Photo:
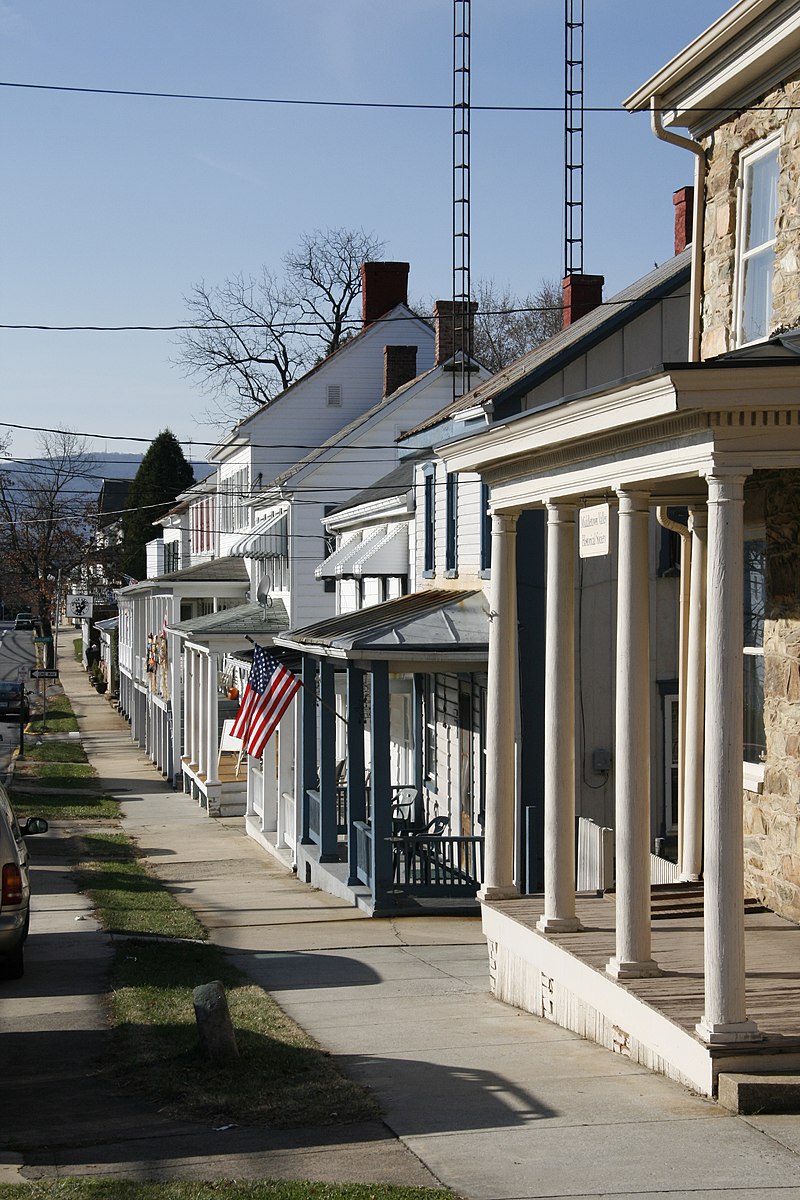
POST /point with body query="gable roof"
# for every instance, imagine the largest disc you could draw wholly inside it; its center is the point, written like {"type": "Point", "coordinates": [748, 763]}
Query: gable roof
{"type": "Point", "coordinates": [544, 360]}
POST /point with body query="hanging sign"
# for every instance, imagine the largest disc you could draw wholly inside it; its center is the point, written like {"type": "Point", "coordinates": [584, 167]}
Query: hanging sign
{"type": "Point", "coordinates": [594, 531]}
{"type": "Point", "coordinates": [79, 606]}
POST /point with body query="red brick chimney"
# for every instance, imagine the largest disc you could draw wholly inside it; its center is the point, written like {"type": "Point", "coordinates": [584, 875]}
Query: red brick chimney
{"type": "Point", "coordinates": [399, 365]}
{"type": "Point", "coordinates": [449, 340]}
{"type": "Point", "coordinates": [383, 286]}
{"type": "Point", "coordinates": [582, 293]}
{"type": "Point", "coordinates": [683, 200]}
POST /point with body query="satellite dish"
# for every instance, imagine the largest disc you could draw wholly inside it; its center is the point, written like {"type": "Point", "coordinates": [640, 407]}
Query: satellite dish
{"type": "Point", "coordinates": [263, 592]}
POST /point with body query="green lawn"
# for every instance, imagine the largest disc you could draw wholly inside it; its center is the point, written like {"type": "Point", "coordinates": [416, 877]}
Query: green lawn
{"type": "Point", "coordinates": [56, 751]}
{"type": "Point", "coordinates": [60, 717]}
{"type": "Point", "coordinates": [118, 1189]}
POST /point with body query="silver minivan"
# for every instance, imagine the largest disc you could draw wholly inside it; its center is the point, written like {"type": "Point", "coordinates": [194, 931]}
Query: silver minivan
{"type": "Point", "coordinates": [15, 888]}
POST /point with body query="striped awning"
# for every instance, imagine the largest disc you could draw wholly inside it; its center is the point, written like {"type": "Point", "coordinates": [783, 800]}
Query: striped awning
{"type": "Point", "coordinates": [269, 538]}
{"type": "Point", "coordinates": [339, 563]}
{"type": "Point", "coordinates": [387, 555]}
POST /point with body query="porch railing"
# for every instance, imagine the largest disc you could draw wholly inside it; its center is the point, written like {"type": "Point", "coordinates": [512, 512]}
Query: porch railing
{"type": "Point", "coordinates": [314, 815]}
{"type": "Point", "coordinates": [431, 865]}
{"type": "Point", "coordinates": [363, 852]}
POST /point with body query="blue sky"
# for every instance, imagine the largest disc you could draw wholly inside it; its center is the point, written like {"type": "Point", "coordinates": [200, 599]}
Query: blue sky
{"type": "Point", "coordinates": [112, 206]}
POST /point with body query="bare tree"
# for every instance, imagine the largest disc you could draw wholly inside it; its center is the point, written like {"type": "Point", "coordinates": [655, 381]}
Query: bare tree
{"type": "Point", "coordinates": [252, 336]}
{"type": "Point", "coordinates": [45, 518]}
{"type": "Point", "coordinates": [508, 326]}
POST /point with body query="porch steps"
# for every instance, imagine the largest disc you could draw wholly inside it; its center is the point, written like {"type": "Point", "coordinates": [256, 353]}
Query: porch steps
{"type": "Point", "coordinates": [671, 900]}
{"type": "Point", "coordinates": [749, 1094]}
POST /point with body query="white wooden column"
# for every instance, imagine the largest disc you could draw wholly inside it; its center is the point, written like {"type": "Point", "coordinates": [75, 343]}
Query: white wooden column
{"type": "Point", "coordinates": [212, 721]}
{"type": "Point", "coordinates": [725, 1015]}
{"type": "Point", "coordinates": [559, 724]}
{"type": "Point", "coordinates": [202, 715]}
{"type": "Point", "coordinates": [190, 714]}
{"type": "Point", "coordinates": [501, 703]}
{"type": "Point", "coordinates": [633, 959]}
{"type": "Point", "coordinates": [691, 863]}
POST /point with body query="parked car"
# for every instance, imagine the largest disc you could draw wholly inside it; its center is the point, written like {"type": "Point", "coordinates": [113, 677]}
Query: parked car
{"type": "Point", "coordinates": [24, 620]}
{"type": "Point", "coordinates": [13, 700]}
{"type": "Point", "coordinates": [15, 890]}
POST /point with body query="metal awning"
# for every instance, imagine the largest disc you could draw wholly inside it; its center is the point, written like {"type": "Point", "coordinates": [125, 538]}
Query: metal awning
{"type": "Point", "coordinates": [384, 556]}
{"type": "Point", "coordinates": [431, 626]}
{"type": "Point", "coordinates": [269, 538]}
{"type": "Point", "coordinates": [338, 564]}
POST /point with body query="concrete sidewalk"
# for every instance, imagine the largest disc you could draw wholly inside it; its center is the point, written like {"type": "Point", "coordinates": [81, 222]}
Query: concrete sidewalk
{"type": "Point", "coordinates": [491, 1101]}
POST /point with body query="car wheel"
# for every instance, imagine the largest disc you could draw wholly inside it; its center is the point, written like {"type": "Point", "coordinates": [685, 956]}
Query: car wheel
{"type": "Point", "coordinates": [13, 965]}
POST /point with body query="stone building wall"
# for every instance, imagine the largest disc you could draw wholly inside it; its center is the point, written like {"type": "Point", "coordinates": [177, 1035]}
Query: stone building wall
{"type": "Point", "coordinates": [779, 109]}
{"type": "Point", "coordinates": [772, 819]}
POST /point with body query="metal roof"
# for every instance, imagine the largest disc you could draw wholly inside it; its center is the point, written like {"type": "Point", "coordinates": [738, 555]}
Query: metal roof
{"type": "Point", "coordinates": [435, 621]}
{"type": "Point", "coordinates": [214, 570]}
{"type": "Point", "coordinates": [239, 621]}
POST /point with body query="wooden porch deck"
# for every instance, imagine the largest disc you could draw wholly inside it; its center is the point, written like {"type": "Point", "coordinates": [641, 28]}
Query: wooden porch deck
{"type": "Point", "coordinates": [772, 952]}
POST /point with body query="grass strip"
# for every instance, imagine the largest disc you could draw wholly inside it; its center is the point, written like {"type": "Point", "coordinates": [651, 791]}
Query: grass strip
{"type": "Point", "coordinates": [56, 751]}
{"type": "Point", "coordinates": [60, 717]}
{"type": "Point", "coordinates": [126, 897]}
{"type": "Point", "coordinates": [120, 1189]}
{"type": "Point", "coordinates": [282, 1078]}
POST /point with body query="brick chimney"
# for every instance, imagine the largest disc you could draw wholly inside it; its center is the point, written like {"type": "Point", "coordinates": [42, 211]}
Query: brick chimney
{"type": "Point", "coordinates": [683, 200]}
{"type": "Point", "coordinates": [383, 286]}
{"type": "Point", "coordinates": [450, 341]}
{"type": "Point", "coordinates": [399, 365]}
{"type": "Point", "coordinates": [582, 293]}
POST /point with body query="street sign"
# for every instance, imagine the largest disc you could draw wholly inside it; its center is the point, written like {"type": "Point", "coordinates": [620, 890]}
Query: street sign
{"type": "Point", "coordinates": [44, 673]}
{"type": "Point", "coordinates": [42, 641]}
{"type": "Point", "coordinates": [79, 606]}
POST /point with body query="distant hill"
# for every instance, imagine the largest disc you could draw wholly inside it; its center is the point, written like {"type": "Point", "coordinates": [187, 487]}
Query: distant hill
{"type": "Point", "coordinates": [101, 465]}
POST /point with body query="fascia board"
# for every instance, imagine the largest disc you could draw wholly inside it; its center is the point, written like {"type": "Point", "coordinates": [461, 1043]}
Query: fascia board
{"type": "Point", "coordinates": [375, 510]}
{"type": "Point", "coordinates": [714, 73]}
{"type": "Point", "coordinates": [740, 386]}
{"type": "Point", "coordinates": [584, 417]}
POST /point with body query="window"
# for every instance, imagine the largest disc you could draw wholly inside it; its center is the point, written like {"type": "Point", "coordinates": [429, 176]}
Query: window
{"type": "Point", "coordinates": [429, 717]}
{"type": "Point", "coordinates": [755, 742]}
{"type": "Point", "coordinates": [429, 532]}
{"type": "Point", "coordinates": [451, 523]}
{"type": "Point", "coordinates": [328, 547]}
{"type": "Point", "coordinates": [486, 530]}
{"type": "Point", "coordinates": [334, 395]}
{"type": "Point", "coordinates": [758, 210]}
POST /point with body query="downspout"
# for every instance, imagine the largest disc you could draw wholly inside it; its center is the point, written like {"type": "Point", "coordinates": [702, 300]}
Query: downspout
{"type": "Point", "coordinates": [683, 657]}
{"type": "Point", "coordinates": [698, 217]}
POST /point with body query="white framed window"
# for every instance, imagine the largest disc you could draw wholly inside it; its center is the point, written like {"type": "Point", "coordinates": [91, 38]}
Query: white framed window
{"type": "Point", "coordinates": [754, 567]}
{"type": "Point", "coordinates": [334, 395]}
{"type": "Point", "coordinates": [755, 241]}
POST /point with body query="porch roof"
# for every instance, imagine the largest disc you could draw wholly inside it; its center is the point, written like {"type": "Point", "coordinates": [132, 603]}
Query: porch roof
{"type": "Point", "coordinates": [433, 626]}
{"type": "Point", "coordinates": [237, 622]}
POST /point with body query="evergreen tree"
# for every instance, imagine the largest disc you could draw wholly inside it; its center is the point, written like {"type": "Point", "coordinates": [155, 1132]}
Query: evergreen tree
{"type": "Point", "coordinates": [162, 475]}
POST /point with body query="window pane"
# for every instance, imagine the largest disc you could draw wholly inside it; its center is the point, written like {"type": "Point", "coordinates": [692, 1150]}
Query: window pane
{"type": "Point", "coordinates": [754, 566]}
{"type": "Point", "coordinates": [757, 295]}
{"type": "Point", "coordinates": [755, 741]}
{"type": "Point", "coordinates": [762, 200]}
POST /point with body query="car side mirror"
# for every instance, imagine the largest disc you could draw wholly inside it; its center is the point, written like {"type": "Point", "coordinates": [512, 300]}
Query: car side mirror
{"type": "Point", "coordinates": [34, 825]}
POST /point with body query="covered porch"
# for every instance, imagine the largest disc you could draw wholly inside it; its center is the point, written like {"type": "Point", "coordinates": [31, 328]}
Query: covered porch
{"type": "Point", "coordinates": [678, 995]}
{"type": "Point", "coordinates": [370, 829]}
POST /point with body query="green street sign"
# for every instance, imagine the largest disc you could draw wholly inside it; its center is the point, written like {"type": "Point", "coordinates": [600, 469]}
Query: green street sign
{"type": "Point", "coordinates": [42, 641]}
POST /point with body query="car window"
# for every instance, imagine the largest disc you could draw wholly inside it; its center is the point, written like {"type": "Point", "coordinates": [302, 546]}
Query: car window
{"type": "Point", "coordinates": [7, 814]}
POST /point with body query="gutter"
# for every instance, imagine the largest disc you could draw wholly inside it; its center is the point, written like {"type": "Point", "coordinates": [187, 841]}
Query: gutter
{"type": "Point", "coordinates": [698, 218]}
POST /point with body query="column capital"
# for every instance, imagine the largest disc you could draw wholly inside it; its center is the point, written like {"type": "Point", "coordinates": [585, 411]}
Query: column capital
{"type": "Point", "coordinates": [633, 499]}
{"type": "Point", "coordinates": [505, 522]}
{"type": "Point", "coordinates": [561, 512]}
{"type": "Point", "coordinates": [698, 517]}
{"type": "Point", "coordinates": [725, 485]}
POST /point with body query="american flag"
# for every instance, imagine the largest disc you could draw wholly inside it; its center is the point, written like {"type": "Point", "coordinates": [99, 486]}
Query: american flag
{"type": "Point", "coordinates": [269, 692]}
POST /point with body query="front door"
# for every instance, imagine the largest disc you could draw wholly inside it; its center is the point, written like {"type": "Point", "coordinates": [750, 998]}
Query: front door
{"type": "Point", "coordinates": [465, 774]}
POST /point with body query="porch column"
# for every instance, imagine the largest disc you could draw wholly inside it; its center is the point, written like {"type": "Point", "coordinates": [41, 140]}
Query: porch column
{"type": "Point", "coordinates": [632, 751]}
{"type": "Point", "coordinates": [559, 724]}
{"type": "Point", "coordinates": [725, 1016]}
{"type": "Point", "coordinates": [202, 715]}
{"type": "Point", "coordinates": [212, 721]}
{"type": "Point", "coordinates": [356, 785]}
{"type": "Point", "coordinates": [380, 782]}
{"type": "Point", "coordinates": [692, 846]}
{"type": "Point", "coordinates": [191, 711]}
{"type": "Point", "coordinates": [327, 764]}
{"type": "Point", "coordinates": [501, 715]}
{"type": "Point", "coordinates": [308, 742]}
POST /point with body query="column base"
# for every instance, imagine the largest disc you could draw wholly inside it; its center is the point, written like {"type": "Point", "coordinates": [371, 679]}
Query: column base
{"type": "Point", "coordinates": [487, 894]}
{"type": "Point", "coordinates": [688, 877]}
{"type": "Point", "coordinates": [547, 924]}
{"type": "Point", "coordinates": [721, 1033]}
{"type": "Point", "coordinates": [647, 968]}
